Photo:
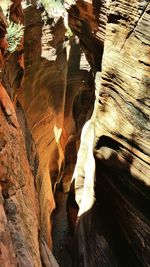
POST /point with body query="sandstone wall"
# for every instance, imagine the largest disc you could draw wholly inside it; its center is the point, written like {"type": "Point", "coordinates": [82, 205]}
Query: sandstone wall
{"type": "Point", "coordinates": [51, 85]}
{"type": "Point", "coordinates": [50, 80]}
{"type": "Point", "coordinates": [121, 126]}
{"type": "Point", "coordinates": [20, 241]}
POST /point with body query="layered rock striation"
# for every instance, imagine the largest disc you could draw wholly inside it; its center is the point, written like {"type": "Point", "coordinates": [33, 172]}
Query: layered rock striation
{"type": "Point", "coordinates": [119, 217]}
{"type": "Point", "coordinates": [49, 84]}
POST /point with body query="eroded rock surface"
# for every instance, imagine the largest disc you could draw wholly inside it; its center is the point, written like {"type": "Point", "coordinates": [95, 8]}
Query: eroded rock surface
{"type": "Point", "coordinates": [20, 213]}
{"type": "Point", "coordinates": [121, 127]}
{"type": "Point", "coordinates": [50, 80]}
{"type": "Point", "coordinates": [51, 85]}
{"type": "Point", "coordinates": [18, 197]}
{"type": "Point", "coordinates": [88, 20]}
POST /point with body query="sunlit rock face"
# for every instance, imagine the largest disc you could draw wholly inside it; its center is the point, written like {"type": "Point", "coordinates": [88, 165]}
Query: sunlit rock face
{"type": "Point", "coordinates": [84, 173]}
{"type": "Point", "coordinates": [19, 208]}
{"type": "Point", "coordinates": [53, 102]}
{"type": "Point", "coordinates": [42, 97]}
{"type": "Point", "coordinates": [51, 84]}
{"type": "Point", "coordinates": [118, 222]}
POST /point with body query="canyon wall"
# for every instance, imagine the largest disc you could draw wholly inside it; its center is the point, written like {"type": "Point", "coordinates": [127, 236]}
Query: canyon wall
{"type": "Point", "coordinates": [119, 217]}
{"type": "Point", "coordinates": [19, 209]}
{"type": "Point", "coordinates": [49, 84]}
{"type": "Point", "coordinates": [21, 243]}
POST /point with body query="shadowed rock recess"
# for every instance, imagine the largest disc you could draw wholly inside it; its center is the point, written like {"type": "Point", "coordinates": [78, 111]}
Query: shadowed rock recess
{"type": "Point", "coordinates": [74, 133]}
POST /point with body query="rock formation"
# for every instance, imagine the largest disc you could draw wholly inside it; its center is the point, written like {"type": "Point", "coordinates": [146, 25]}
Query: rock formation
{"type": "Point", "coordinates": [121, 126]}
{"type": "Point", "coordinates": [19, 205]}
{"type": "Point", "coordinates": [48, 87]}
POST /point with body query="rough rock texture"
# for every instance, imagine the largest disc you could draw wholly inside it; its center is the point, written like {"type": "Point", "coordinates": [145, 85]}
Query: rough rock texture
{"type": "Point", "coordinates": [50, 82]}
{"type": "Point", "coordinates": [88, 20]}
{"type": "Point", "coordinates": [52, 88]}
{"type": "Point", "coordinates": [19, 206]}
{"type": "Point", "coordinates": [120, 215]}
{"type": "Point", "coordinates": [53, 102]}
{"type": "Point", "coordinates": [15, 11]}
{"type": "Point", "coordinates": [20, 241]}
{"type": "Point", "coordinates": [3, 42]}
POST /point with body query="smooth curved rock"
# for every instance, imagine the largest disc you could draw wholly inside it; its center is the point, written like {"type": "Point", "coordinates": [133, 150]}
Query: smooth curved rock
{"type": "Point", "coordinates": [121, 126]}
{"type": "Point", "coordinates": [51, 85]}
{"type": "Point", "coordinates": [84, 173]}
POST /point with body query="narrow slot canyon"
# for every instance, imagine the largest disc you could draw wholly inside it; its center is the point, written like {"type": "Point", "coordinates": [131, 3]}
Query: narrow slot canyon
{"type": "Point", "coordinates": [74, 133]}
